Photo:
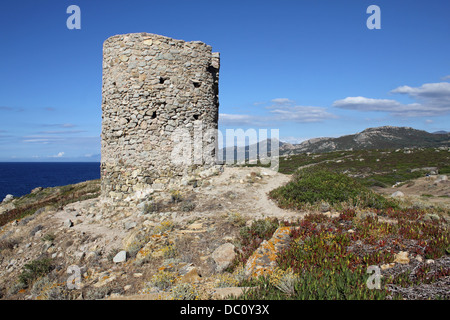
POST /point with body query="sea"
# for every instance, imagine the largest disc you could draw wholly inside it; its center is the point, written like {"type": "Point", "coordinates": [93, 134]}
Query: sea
{"type": "Point", "coordinates": [19, 178]}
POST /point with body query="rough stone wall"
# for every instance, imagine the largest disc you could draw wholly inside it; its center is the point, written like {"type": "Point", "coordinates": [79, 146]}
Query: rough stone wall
{"type": "Point", "coordinates": [151, 86]}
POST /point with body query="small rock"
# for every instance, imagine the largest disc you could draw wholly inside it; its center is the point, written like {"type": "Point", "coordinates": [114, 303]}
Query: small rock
{"type": "Point", "coordinates": [402, 257]}
{"type": "Point", "coordinates": [191, 276]}
{"type": "Point", "coordinates": [8, 198]}
{"type": "Point", "coordinates": [127, 287]}
{"type": "Point", "coordinates": [387, 266]}
{"type": "Point", "coordinates": [196, 226]}
{"type": "Point", "coordinates": [440, 179]}
{"type": "Point", "coordinates": [222, 293]}
{"type": "Point", "coordinates": [92, 255]}
{"type": "Point", "coordinates": [430, 261]}
{"type": "Point", "coordinates": [130, 225]}
{"type": "Point", "coordinates": [324, 207]}
{"type": "Point", "coordinates": [361, 215]}
{"type": "Point", "coordinates": [397, 194]}
{"type": "Point", "coordinates": [431, 217]}
{"type": "Point", "coordinates": [223, 256]}
{"type": "Point", "coordinates": [47, 245]}
{"type": "Point", "coordinates": [120, 257]}
{"type": "Point", "coordinates": [36, 190]}
{"type": "Point", "coordinates": [68, 223]}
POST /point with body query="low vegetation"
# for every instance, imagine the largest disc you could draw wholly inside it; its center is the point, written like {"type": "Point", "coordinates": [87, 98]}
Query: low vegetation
{"type": "Point", "coordinates": [34, 270]}
{"type": "Point", "coordinates": [381, 168]}
{"type": "Point", "coordinates": [50, 198]}
{"type": "Point", "coordinates": [314, 185]}
{"type": "Point", "coordinates": [328, 258]}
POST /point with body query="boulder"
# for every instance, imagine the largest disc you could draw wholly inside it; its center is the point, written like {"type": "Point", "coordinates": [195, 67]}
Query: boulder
{"type": "Point", "coordinates": [8, 198]}
{"type": "Point", "coordinates": [120, 257]}
{"type": "Point", "coordinates": [191, 276]}
{"type": "Point", "coordinates": [130, 225]}
{"type": "Point", "coordinates": [440, 179]}
{"type": "Point", "coordinates": [223, 256]}
{"type": "Point", "coordinates": [263, 260]}
{"type": "Point", "coordinates": [68, 223]}
{"type": "Point", "coordinates": [397, 194]}
{"type": "Point", "coordinates": [431, 217]}
{"type": "Point", "coordinates": [402, 257]}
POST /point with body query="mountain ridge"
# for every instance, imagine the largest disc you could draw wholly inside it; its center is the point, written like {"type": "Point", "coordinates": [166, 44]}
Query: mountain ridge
{"type": "Point", "coordinates": [384, 137]}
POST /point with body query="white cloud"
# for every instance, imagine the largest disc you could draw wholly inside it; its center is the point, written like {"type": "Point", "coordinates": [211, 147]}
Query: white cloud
{"type": "Point", "coordinates": [59, 155]}
{"type": "Point", "coordinates": [282, 101]}
{"type": "Point", "coordinates": [282, 110]}
{"type": "Point", "coordinates": [445, 78]}
{"type": "Point", "coordinates": [301, 114]}
{"type": "Point", "coordinates": [440, 90]}
{"type": "Point", "coordinates": [44, 141]}
{"type": "Point", "coordinates": [428, 121]}
{"type": "Point", "coordinates": [366, 104]}
{"type": "Point", "coordinates": [258, 103]}
{"type": "Point", "coordinates": [61, 132]}
{"type": "Point", "coordinates": [60, 125]}
{"type": "Point", "coordinates": [239, 119]}
{"type": "Point", "coordinates": [432, 99]}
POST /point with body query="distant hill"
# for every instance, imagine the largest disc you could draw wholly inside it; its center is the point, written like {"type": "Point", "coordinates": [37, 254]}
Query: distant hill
{"type": "Point", "coordinates": [441, 132]}
{"type": "Point", "coordinates": [263, 150]}
{"type": "Point", "coordinates": [386, 137]}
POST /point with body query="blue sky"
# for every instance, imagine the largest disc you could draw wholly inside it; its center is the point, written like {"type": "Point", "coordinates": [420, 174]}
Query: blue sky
{"type": "Point", "coordinates": [307, 68]}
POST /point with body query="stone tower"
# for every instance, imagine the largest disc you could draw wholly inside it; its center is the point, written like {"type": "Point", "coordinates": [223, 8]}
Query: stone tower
{"type": "Point", "coordinates": [153, 85]}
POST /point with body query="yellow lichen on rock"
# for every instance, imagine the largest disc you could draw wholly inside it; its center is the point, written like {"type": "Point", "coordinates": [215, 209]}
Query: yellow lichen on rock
{"type": "Point", "coordinates": [263, 260]}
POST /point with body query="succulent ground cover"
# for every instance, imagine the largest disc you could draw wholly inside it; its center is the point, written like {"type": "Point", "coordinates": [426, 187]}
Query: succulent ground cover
{"type": "Point", "coordinates": [332, 256]}
{"type": "Point", "coordinates": [328, 258]}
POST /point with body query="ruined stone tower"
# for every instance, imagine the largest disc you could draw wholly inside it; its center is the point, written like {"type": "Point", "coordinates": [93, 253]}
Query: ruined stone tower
{"type": "Point", "coordinates": [153, 85]}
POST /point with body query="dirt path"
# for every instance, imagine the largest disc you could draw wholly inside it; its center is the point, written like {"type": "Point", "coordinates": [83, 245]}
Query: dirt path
{"type": "Point", "coordinates": [250, 188]}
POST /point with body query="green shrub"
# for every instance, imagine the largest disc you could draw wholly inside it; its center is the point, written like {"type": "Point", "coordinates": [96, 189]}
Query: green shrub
{"type": "Point", "coordinates": [236, 219]}
{"type": "Point", "coordinates": [153, 207]}
{"type": "Point", "coordinates": [187, 205]}
{"type": "Point", "coordinates": [163, 279]}
{"type": "Point", "coordinates": [176, 196]}
{"type": "Point", "coordinates": [313, 185]}
{"type": "Point", "coordinates": [8, 244]}
{"type": "Point", "coordinates": [184, 291]}
{"type": "Point", "coordinates": [49, 237]}
{"type": "Point", "coordinates": [34, 270]}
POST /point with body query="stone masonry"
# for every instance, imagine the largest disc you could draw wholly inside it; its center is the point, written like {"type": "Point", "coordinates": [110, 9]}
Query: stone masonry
{"type": "Point", "coordinates": [153, 85]}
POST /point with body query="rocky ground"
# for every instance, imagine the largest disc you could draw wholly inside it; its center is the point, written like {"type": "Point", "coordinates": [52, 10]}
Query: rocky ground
{"type": "Point", "coordinates": [168, 244]}
{"type": "Point", "coordinates": [179, 232]}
